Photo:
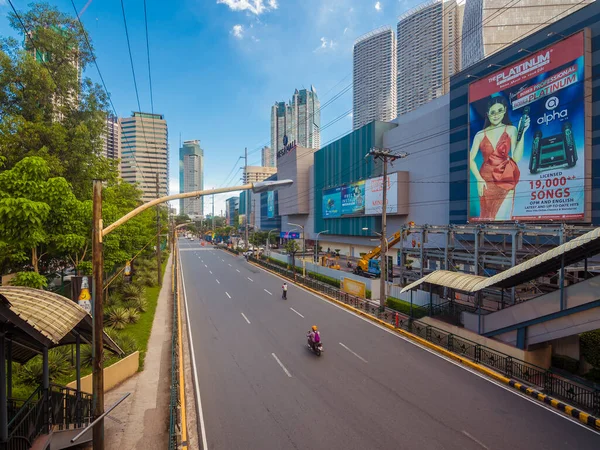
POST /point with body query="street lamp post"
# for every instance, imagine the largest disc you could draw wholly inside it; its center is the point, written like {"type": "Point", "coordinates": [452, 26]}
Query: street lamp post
{"type": "Point", "coordinates": [317, 250]}
{"type": "Point", "coordinates": [98, 232]}
{"type": "Point", "coordinates": [303, 246]}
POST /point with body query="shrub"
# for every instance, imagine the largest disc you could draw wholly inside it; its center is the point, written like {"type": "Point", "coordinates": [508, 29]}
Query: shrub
{"type": "Point", "coordinates": [133, 315]}
{"type": "Point", "coordinates": [32, 372]}
{"type": "Point", "coordinates": [133, 292]}
{"type": "Point", "coordinates": [125, 341]}
{"type": "Point", "coordinates": [117, 317]}
{"type": "Point", "coordinates": [140, 304]}
{"type": "Point", "coordinates": [325, 279]}
{"type": "Point", "coordinates": [404, 307]}
{"type": "Point", "coordinates": [590, 347]}
{"type": "Point", "coordinates": [29, 279]}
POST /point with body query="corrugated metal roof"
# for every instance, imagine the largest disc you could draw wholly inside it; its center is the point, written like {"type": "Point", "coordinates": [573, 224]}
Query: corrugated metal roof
{"type": "Point", "coordinates": [572, 251]}
{"type": "Point", "coordinates": [454, 280]}
{"type": "Point", "coordinates": [51, 314]}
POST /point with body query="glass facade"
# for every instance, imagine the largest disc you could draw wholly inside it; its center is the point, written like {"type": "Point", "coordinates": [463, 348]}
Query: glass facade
{"type": "Point", "coordinates": [191, 177]}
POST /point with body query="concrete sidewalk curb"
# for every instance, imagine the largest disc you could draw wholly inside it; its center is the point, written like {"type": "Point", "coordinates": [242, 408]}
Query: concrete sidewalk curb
{"type": "Point", "coordinates": [583, 417]}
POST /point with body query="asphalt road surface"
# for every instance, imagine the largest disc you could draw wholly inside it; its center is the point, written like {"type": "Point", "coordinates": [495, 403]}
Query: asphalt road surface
{"type": "Point", "coordinates": [262, 388]}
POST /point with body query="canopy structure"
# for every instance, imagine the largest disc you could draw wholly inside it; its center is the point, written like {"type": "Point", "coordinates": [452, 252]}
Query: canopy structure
{"type": "Point", "coordinates": [35, 319]}
{"type": "Point", "coordinates": [573, 251]}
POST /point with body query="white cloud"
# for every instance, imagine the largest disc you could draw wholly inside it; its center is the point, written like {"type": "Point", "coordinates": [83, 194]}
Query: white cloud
{"type": "Point", "coordinates": [345, 30]}
{"type": "Point", "coordinates": [238, 31]}
{"type": "Point", "coordinates": [323, 42]}
{"type": "Point", "coordinates": [326, 44]}
{"type": "Point", "coordinates": [253, 6]}
{"type": "Point", "coordinates": [378, 6]}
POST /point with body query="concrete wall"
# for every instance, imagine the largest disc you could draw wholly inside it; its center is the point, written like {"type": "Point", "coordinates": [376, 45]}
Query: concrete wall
{"type": "Point", "coordinates": [423, 134]}
{"type": "Point", "coordinates": [295, 165]}
{"type": "Point", "coordinates": [113, 375]}
{"type": "Point", "coordinates": [541, 356]}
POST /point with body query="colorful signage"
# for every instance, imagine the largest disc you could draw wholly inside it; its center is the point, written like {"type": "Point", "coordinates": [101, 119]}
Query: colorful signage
{"type": "Point", "coordinates": [527, 138]}
{"type": "Point", "coordinates": [332, 202]}
{"type": "Point", "coordinates": [374, 195]}
{"type": "Point", "coordinates": [270, 204]}
{"type": "Point", "coordinates": [353, 199]}
{"type": "Point", "coordinates": [289, 235]}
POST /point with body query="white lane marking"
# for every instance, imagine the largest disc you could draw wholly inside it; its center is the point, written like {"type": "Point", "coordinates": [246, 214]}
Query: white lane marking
{"type": "Point", "coordinates": [195, 374]}
{"type": "Point", "coordinates": [475, 440]}
{"type": "Point", "coordinates": [238, 270]}
{"type": "Point", "coordinates": [297, 312]}
{"type": "Point", "coordinates": [205, 266]}
{"type": "Point", "coordinates": [457, 364]}
{"type": "Point", "coordinates": [355, 354]}
{"type": "Point", "coordinates": [244, 316]}
{"type": "Point", "coordinates": [227, 294]}
{"type": "Point", "coordinates": [218, 282]}
{"type": "Point", "coordinates": [268, 292]}
{"type": "Point", "coordinates": [250, 279]}
{"type": "Point", "coordinates": [210, 271]}
{"type": "Point", "coordinates": [282, 366]}
{"type": "Point", "coordinates": [229, 265]}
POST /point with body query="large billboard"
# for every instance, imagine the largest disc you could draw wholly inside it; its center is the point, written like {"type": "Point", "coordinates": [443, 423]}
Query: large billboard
{"type": "Point", "coordinates": [270, 204]}
{"type": "Point", "coordinates": [361, 198]}
{"type": "Point", "coordinates": [374, 195]}
{"type": "Point", "coordinates": [527, 137]}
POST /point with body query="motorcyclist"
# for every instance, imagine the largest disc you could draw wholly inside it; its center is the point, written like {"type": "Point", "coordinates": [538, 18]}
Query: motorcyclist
{"type": "Point", "coordinates": [313, 336]}
{"type": "Point", "coordinates": [284, 288]}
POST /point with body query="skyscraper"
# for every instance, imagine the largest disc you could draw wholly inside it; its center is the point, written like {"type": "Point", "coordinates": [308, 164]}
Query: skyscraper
{"type": "Point", "coordinates": [428, 52]}
{"type": "Point", "coordinates": [490, 25]}
{"type": "Point", "coordinates": [255, 174]}
{"type": "Point", "coordinates": [191, 177]}
{"type": "Point", "coordinates": [268, 157]}
{"type": "Point", "coordinates": [374, 77]}
{"type": "Point", "coordinates": [299, 120]}
{"type": "Point", "coordinates": [112, 138]}
{"type": "Point", "coordinates": [145, 152]}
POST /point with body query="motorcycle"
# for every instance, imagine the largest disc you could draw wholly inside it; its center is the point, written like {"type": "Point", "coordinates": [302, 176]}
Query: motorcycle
{"type": "Point", "coordinates": [316, 347]}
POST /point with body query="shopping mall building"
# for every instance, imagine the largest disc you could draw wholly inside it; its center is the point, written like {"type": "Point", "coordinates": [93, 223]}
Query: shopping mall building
{"type": "Point", "coordinates": [506, 164]}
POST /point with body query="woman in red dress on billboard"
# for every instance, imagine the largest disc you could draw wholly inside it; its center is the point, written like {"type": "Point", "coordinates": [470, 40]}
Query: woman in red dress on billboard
{"type": "Point", "coordinates": [499, 174]}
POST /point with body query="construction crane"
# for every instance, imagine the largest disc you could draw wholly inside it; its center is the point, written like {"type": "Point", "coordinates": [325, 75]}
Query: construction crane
{"type": "Point", "coordinates": [368, 265]}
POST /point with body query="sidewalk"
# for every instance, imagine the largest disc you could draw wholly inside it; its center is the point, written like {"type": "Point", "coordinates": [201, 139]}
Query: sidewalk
{"type": "Point", "coordinates": [141, 422]}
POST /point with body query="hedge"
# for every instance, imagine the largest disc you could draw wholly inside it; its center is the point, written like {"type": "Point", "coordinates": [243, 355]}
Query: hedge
{"type": "Point", "coordinates": [590, 347]}
{"type": "Point", "coordinates": [566, 363]}
{"type": "Point", "coordinates": [404, 307]}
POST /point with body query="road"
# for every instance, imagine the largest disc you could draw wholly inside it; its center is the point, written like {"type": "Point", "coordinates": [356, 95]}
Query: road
{"type": "Point", "coordinates": [261, 388]}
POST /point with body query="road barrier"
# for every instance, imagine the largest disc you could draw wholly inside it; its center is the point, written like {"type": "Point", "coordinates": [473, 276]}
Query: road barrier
{"type": "Point", "coordinates": [177, 415]}
{"type": "Point", "coordinates": [579, 394]}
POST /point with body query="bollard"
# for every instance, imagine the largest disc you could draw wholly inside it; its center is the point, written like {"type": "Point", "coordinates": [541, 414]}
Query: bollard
{"type": "Point", "coordinates": [397, 319]}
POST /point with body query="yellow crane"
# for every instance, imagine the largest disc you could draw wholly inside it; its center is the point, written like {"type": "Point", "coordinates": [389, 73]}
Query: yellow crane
{"type": "Point", "coordinates": [368, 266]}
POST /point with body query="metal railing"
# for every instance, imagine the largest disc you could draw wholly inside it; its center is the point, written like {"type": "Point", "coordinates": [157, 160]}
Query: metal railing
{"type": "Point", "coordinates": [576, 393]}
{"type": "Point", "coordinates": [174, 406]}
{"type": "Point", "coordinates": [59, 408]}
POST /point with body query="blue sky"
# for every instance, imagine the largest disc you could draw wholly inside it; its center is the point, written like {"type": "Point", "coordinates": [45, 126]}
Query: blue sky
{"type": "Point", "coordinates": [219, 65]}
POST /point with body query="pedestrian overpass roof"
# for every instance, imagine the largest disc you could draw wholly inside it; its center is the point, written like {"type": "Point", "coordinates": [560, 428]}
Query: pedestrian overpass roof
{"type": "Point", "coordinates": [575, 250]}
{"type": "Point", "coordinates": [35, 319]}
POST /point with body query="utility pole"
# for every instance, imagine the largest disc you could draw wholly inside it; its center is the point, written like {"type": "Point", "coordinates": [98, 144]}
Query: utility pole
{"type": "Point", "coordinates": [247, 195]}
{"type": "Point", "coordinates": [98, 326]}
{"type": "Point", "coordinates": [158, 262]}
{"type": "Point", "coordinates": [385, 155]}
{"type": "Point", "coordinates": [254, 221]}
{"type": "Point", "coordinates": [213, 212]}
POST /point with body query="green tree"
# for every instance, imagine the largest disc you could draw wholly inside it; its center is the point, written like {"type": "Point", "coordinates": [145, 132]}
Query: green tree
{"type": "Point", "coordinates": [38, 214]}
{"type": "Point", "coordinates": [46, 108]}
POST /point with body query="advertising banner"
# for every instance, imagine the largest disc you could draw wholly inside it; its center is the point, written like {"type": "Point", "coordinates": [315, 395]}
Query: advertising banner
{"type": "Point", "coordinates": [332, 202]}
{"type": "Point", "coordinates": [354, 287]}
{"type": "Point", "coordinates": [353, 199]}
{"type": "Point", "coordinates": [374, 195]}
{"type": "Point", "coordinates": [289, 235]}
{"type": "Point", "coordinates": [270, 204]}
{"type": "Point", "coordinates": [527, 138]}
